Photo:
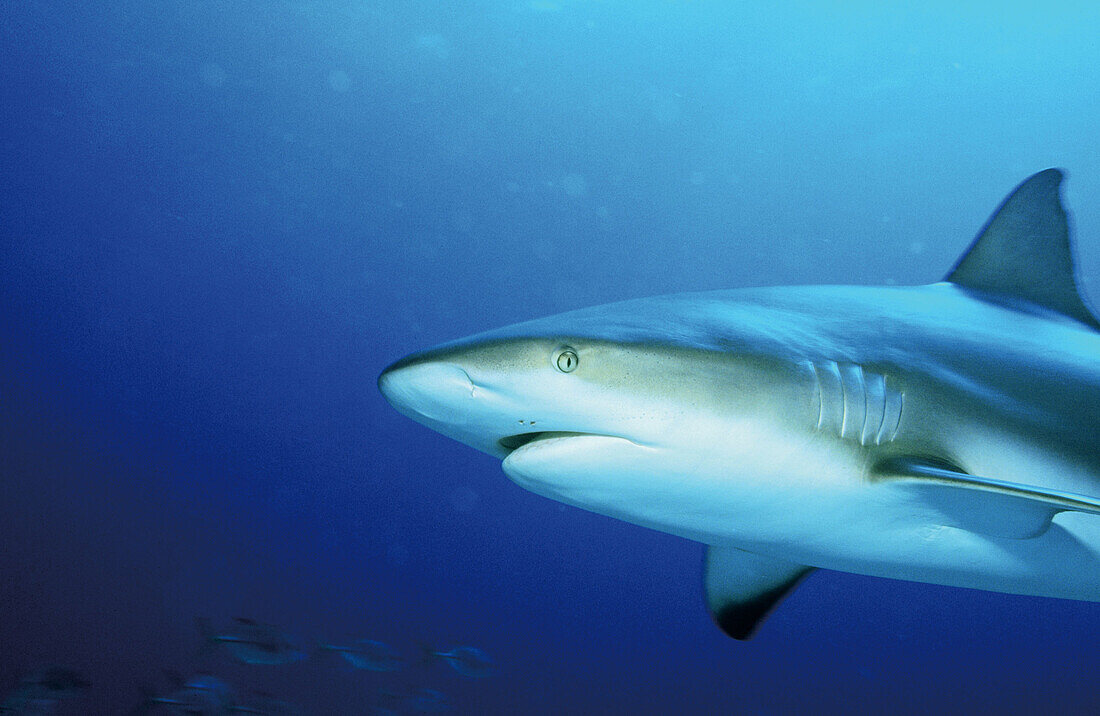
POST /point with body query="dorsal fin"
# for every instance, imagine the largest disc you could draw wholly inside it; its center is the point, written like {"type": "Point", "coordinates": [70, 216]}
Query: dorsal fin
{"type": "Point", "coordinates": [1025, 252]}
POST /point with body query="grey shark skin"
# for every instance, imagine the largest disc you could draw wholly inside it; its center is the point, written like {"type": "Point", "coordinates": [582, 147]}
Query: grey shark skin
{"type": "Point", "coordinates": [944, 433]}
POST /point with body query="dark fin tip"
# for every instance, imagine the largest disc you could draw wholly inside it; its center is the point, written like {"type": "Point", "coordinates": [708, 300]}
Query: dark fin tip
{"type": "Point", "coordinates": [740, 620]}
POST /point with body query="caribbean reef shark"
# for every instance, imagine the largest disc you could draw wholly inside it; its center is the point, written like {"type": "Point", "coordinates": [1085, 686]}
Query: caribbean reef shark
{"type": "Point", "coordinates": [946, 433]}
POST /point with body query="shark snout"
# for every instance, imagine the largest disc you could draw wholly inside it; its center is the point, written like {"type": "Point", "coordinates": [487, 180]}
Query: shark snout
{"type": "Point", "coordinates": [434, 390]}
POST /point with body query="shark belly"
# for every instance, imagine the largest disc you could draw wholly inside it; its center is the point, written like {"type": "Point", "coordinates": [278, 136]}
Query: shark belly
{"type": "Point", "coordinates": [835, 519]}
{"type": "Point", "coordinates": [893, 531]}
{"type": "Point", "coordinates": [1062, 562]}
{"type": "Point", "coordinates": [686, 487]}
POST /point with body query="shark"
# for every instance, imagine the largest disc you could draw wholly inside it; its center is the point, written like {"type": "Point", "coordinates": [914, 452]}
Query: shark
{"type": "Point", "coordinates": [946, 433]}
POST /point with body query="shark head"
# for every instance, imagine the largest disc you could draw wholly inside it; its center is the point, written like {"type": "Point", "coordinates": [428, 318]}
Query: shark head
{"type": "Point", "coordinates": [604, 407]}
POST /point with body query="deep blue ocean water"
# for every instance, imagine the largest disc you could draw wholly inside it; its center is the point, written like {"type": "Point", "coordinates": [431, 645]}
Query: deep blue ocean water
{"type": "Point", "coordinates": [220, 221]}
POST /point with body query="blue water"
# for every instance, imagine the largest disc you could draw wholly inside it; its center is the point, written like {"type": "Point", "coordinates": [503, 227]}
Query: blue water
{"type": "Point", "coordinates": [220, 221]}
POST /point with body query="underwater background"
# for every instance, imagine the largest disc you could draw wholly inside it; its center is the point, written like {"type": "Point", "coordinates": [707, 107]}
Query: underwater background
{"type": "Point", "coordinates": [219, 221]}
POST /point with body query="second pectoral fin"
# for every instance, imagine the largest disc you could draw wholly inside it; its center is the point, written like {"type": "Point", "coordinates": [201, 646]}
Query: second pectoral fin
{"type": "Point", "coordinates": [982, 504]}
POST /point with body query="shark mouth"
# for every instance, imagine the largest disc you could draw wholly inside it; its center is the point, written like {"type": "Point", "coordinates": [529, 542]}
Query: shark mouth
{"type": "Point", "coordinates": [512, 443]}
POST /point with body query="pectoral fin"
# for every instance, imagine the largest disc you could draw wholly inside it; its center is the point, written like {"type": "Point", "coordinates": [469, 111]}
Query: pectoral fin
{"type": "Point", "coordinates": [742, 587]}
{"type": "Point", "coordinates": [986, 505]}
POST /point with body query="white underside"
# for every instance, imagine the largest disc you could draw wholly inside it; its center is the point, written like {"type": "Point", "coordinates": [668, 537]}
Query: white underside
{"type": "Point", "coordinates": [830, 522]}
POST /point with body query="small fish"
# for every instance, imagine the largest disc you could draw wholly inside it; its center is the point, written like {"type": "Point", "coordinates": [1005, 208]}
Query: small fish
{"type": "Point", "coordinates": [368, 654]}
{"type": "Point", "coordinates": [191, 703]}
{"type": "Point", "coordinates": [201, 695]}
{"type": "Point", "coordinates": [267, 705]}
{"type": "Point", "coordinates": [466, 660]}
{"type": "Point", "coordinates": [426, 701]}
{"type": "Point", "coordinates": [16, 705]}
{"type": "Point", "coordinates": [411, 698]}
{"type": "Point", "coordinates": [53, 682]}
{"type": "Point", "coordinates": [212, 684]}
{"type": "Point", "coordinates": [250, 642]}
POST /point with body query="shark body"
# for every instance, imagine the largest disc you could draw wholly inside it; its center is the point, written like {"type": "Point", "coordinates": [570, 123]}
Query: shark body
{"type": "Point", "coordinates": [945, 433]}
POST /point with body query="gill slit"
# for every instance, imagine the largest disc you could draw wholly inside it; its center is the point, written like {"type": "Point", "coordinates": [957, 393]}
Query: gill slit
{"type": "Point", "coordinates": [820, 396]}
{"type": "Point", "coordinates": [843, 389]}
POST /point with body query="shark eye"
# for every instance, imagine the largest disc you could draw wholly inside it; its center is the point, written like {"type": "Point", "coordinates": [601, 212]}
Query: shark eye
{"type": "Point", "coordinates": [566, 360]}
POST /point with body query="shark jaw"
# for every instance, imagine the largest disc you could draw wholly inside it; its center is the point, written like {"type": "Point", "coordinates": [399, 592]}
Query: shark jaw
{"type": "Point", "coordinates": [542, 447]}
{"type": "Point", "coordinates": [941, 433]}
{"type": "Point", "coordinates": [564, 466]}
